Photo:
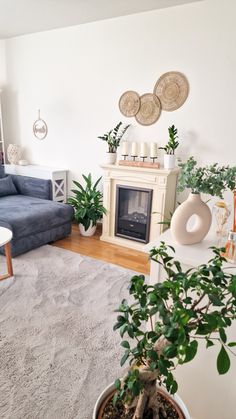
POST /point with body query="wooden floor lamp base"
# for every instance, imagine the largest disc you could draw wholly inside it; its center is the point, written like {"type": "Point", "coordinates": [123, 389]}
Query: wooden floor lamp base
{"type": "Point", "coordinates": [9, 262]}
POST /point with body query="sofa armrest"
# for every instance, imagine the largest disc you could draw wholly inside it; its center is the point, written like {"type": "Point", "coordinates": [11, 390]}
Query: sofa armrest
{"type": "Point", "coordinates": [29, 186]}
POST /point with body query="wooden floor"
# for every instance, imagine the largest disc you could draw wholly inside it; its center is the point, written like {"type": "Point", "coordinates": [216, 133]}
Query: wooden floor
{"type": "Point", "coordinates": [95, 248]}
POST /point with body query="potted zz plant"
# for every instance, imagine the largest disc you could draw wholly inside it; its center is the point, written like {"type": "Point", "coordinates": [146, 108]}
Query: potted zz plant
{"type": "Point", "coordinates": [113, 138]}
{"type": "Point", "coordinates": [212, 180]}
{"type": "Point", "coordinates": [164, 323]}
{"type": "Point", "coordinates": [87, 203]}
{"type": "Point", "coordinates": [170, 147]}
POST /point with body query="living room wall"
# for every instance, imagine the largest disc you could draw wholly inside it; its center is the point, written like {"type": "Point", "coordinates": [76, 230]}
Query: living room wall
{"type": "Point", "coordinates": [76, 76]}
{"type": "Point", "coordinates": [2, 64]}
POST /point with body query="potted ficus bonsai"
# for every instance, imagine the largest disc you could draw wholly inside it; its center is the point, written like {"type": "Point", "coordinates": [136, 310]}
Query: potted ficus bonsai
{"type": "Point", "coordinates": [160, 329]}
{"type": "Point", "coordinates": [113, 139]}
{"type": "Point", "coordinates": [87, 203]}
{"type": "Point", "coordinates": [170, 147]}
{"type": "Point", "coordinates": [212, 180]}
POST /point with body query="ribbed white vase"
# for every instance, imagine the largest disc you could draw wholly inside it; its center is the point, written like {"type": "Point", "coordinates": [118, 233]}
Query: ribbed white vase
{"type": "Point", "coordinates": [13, 153]}
{"type": "Point", "coordinates": [179, 222]}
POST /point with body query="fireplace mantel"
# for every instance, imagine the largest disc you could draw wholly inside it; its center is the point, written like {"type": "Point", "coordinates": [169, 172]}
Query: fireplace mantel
{"type": "Point", "coordinates": [162, 182]}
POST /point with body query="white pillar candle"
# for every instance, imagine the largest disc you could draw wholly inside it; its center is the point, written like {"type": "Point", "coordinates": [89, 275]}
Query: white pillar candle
{"type": "Point", "coordinates": [143, 150]}
{"type": "Point", "coordinates": [125, 148]}
{"type": "Point", "coordinates": [153, 150]}
{"type": "Point", "coordinates": [134, 149]}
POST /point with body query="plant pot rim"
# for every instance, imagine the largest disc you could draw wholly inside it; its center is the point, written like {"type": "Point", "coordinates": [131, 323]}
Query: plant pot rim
{"type": "Point", "coordinates": [107, 393]}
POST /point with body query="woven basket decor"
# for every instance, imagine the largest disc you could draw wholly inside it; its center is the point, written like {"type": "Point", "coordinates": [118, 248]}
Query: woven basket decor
{"type": "Point", "coordinates": [150, 109]}
{"type": "Point", "coordinates": [172, 88]}
{"type": "Point", "coordinates": [129, 103]}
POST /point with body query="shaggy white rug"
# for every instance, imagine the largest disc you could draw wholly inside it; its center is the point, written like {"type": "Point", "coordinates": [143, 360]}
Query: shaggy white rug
{"type": "Point", "coordinates": [57, 347]}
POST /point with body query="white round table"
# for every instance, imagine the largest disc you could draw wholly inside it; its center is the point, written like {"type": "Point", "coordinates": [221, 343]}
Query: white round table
{"type": "Point", "coordinates": [5, 238]}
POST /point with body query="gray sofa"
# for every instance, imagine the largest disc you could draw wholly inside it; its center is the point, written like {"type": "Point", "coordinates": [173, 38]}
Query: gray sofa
{"type": "Point", "coordinates": [27, 209]}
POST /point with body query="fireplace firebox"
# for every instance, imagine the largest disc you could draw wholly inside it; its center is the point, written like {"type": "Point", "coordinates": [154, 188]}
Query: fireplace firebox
{"type": "Point", "coordinates": [133, 213]}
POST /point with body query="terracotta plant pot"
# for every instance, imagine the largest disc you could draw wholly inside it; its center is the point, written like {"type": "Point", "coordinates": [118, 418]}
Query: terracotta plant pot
{"type": "Point", "coordinates": [108, 393]}
{"type": "Point", "coordinates": [89, 232]}
{"type": "Point", "coordinates": [179, 222]}
{"type": "Point", "coordinates": [169, 161]}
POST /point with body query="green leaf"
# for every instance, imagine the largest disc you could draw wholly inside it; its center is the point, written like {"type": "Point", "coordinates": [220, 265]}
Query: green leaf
{"type": "Point", "coordinates": [174, 387]}
{"type": "Point", "coordinates": [223, 361]}
{"type": "Point", "coordinates": [222, 335]}
{"type": "Point", "coordinates": [117, 384]}
{"type": "Point", "coordinates": [125, 344]}
{"type": "Point", "coordinates": [232, 344]}
{"type": "Point", "coordinates": [191, 351]}
{"type": "Point", "coordinates": [209, 343]}
{"type": "Point", "coordinates": [124, 358]}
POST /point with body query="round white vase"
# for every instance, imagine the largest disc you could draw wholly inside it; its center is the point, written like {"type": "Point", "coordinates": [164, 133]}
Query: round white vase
{"type": "Point", "coordinates": [179, 222]}
{"type": "Point", "coordinates": [13, 153]}
{"type": "Point", "coordinates": [89, 232]}
{"type": "Point", "coordinates": [108, 390]}
{"type": "Point", "coordinates": [111, 158]}
{"type": "Point", "coordinates": [169, 161]}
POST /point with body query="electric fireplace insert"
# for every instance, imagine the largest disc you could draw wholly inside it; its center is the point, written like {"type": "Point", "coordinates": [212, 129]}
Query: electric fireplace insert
{"type": "Point", "coordinates": [133, 213]}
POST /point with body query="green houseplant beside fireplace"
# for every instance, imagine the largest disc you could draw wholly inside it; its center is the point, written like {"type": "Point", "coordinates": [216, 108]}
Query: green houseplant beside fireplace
{"type": "Point", "coordinates": [87, 203]}
{"type": "Point", "coordinates": [161, 327]}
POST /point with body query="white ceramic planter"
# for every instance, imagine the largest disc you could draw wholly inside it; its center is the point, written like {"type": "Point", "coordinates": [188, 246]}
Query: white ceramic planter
{"type": "Point", "coordinates": [179, 222]}
{"type": "Point", "coordinates": [111, 387]}
{"type": "Point", "coordinates": [87, 233]}
{"type": "Point", "coordinates": [169, 161]}
{"type": "Point", "coordinates": [111, 158]}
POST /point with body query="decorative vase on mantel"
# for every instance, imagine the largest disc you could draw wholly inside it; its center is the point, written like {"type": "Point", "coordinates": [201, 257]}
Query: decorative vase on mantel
{"type": "Point", "coordinates": [179, 222]}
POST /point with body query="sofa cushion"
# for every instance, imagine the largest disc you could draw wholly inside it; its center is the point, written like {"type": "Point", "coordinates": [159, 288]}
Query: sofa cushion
{"type": "Point", "coordinates": [2, 171]}
{"type": "Point", "coordinates": [27, 215]}
{"type": "Point", "coordinates": [7, 186]}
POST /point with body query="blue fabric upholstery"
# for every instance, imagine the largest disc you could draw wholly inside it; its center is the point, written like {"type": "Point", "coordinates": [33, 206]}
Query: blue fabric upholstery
{"type": "Point", "coordinates": [29, 186]}
{"type": "Point", "coordinates": [2, 171]}
{"type": "Point", "coordinates": [7, 186]}
{"type": "Point", "coordinates": [34, 221]}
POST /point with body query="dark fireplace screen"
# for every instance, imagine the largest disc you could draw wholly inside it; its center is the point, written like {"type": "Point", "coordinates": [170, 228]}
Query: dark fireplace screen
{"type": "Point", "coordinates": [133, 213]}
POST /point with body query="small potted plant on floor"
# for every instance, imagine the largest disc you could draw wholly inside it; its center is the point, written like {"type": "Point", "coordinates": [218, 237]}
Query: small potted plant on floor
{"type": "Point", "coordinates": [87, 203]}
{"type": "Point", "coordinates": [170, 147]}
{"type": "Point", "coordinates": [212, 180]}
{"type": "Point", "coordinates": [160, 329]}
{"type": "Point", "coordinates": [113, 139]}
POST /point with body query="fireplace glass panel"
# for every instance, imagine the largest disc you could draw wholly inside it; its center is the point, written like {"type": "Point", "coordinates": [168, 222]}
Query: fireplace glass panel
{"type": "Point", "coordinates": [133, 206]}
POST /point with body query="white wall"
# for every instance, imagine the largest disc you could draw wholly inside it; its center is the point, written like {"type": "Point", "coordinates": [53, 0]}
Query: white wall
{"type": "Point", "coordinates": [2, 64]}
{"type": "Point", "coordinates": [76, 76]}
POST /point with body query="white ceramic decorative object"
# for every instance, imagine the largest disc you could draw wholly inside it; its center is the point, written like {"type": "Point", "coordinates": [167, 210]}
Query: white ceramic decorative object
{"type": "Point", "coordinates": [89, 232]}
{"type": "Point", "coordinates": [23, 162]}
{"type": "Point", "coordinates": [111, 387]}
{"type": "Point", "coordinates": [179, 222]}
{"type": "Point", "coordinates": [111, 158]}
{"type": "Point", "coordinates": [169, 161]}
{"type": "Point", "coordinates": [13, 153]}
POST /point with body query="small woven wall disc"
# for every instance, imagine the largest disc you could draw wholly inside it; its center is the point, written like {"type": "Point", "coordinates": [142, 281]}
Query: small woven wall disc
{"type": "Point", "coordinates": [172, 88]}
{"type": "Point", "coordinates": [150, 109]}
{"type": "Point", "coordinates": [129, 103]}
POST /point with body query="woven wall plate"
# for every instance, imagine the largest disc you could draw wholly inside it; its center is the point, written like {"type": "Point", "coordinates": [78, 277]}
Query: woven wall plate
{"type": "Point", "coordinates": [172, 89]}
{"type": "Point", "coordinates": [129, 103]}
{"type": "Point", "coordinates": [150, 109]}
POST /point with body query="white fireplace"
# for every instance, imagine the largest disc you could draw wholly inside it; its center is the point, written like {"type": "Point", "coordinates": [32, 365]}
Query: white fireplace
{"type": "Point", "coordinates": [136, 199]}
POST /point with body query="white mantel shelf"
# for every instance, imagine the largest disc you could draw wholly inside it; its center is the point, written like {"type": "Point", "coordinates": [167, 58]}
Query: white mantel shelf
{"type": "Point", "coordinates": [154, 170]}
{"type": "Point", "coordinates": [161, 182]}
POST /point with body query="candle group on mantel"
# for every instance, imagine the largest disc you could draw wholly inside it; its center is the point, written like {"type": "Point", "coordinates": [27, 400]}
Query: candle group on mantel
{"type": "Point", "coordinates": [142, 151]}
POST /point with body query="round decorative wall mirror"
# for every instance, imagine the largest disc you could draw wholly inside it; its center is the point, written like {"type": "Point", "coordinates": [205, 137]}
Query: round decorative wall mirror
{"type": "Point", "coordinates": [40, 128]}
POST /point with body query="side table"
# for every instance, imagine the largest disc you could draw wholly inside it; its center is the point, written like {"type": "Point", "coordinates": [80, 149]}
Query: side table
{"type": "Point", "coordinates": [56, 175]}
{"type": "Point", "coordinates": [5, 238]}
{"type": "Point", "coordinates": [206, 394]}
